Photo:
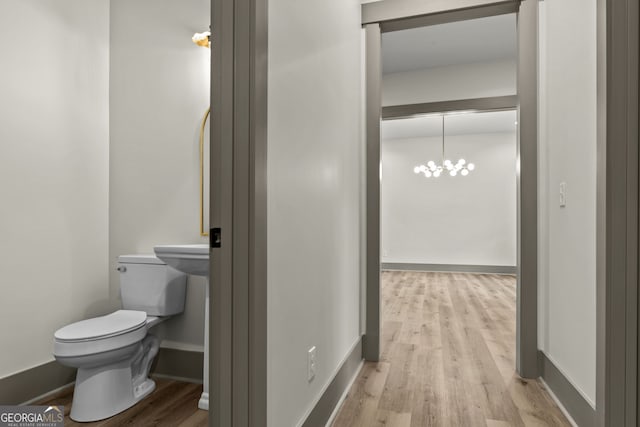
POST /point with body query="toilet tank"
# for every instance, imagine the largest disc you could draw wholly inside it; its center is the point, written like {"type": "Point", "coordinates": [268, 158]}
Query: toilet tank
{"type": "Point", "coordinates": [148, 284]}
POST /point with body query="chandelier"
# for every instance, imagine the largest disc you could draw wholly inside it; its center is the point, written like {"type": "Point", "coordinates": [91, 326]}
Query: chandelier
{"type": "Point", "coordinates": [432, 169]}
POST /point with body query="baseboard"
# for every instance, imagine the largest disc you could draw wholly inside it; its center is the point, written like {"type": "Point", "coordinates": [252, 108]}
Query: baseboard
{"type": "Point", "coordinates": [334, 393]}
{"type": "Point", "coordinates": [183, 364]}
{"type": "Point", "coordinates": [583, 414]}
{"type": "Point", "coordinates": [450, 268]}
{"type": "Point", "coordinates": [33, 383]}
{"type": "Point", "coordinates": [564, 411]}
{"type": "Point", "coordinates": [175, 378]}
{"type": "Point", "coordinates": [345, 393]}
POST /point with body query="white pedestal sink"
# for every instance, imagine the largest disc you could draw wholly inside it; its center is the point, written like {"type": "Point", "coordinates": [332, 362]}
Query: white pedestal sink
{"type": "Point", "coordinates": [192, 259]}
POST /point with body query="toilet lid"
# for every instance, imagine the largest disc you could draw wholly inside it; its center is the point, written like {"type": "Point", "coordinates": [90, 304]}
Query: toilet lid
{"type": "Point", "coordinates": [117, 323]}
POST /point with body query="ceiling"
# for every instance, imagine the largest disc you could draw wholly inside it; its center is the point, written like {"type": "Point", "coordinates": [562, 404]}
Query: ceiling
{"type": "Point", "coordinates": [478, 40]}
{"type": "Point", "coordinates": [455, 124]}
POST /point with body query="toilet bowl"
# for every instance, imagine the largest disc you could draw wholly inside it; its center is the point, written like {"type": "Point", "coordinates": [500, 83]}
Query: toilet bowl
{"type": "Point", "coordinates": [113, 353]}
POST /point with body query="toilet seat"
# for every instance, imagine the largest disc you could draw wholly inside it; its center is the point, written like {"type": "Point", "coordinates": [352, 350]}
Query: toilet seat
{"type": "Point", "coordinates": [101, 334]}
{"type": "Point", "coordinates": [117, 323]}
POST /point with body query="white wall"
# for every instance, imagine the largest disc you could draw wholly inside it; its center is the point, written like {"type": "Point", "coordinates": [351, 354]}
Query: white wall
{"type": "Point", "coordinates": [567, 328]}
{"type": "Point", "coordinates": [450, 220]}
{"type": "Point", "coordinates": [53, 172]}
{"type": "Point", "coordinates": [159, 92]}
{"type": "Point", "coordinates": [314, 153]}
{"type": "Point", "coordinates": [475, 80]}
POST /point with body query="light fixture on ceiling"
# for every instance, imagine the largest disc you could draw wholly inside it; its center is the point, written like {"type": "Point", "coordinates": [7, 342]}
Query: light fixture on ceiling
{"type": "Point", "coordinates": [432, 169]}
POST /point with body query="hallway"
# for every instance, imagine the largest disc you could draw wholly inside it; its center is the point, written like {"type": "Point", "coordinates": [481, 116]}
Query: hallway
{"type": "Point", "coordinates": [448, 357]}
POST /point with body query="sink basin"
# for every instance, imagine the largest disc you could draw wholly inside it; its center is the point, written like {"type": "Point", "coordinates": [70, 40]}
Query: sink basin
{"type": "Point", "coordinates": [190, 259]}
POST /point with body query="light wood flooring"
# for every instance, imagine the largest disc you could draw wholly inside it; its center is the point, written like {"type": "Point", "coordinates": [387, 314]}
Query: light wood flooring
{"type": "Point", "coordinates": [448, 358]}
{"type": "Point", "coordinates": [172, 404]}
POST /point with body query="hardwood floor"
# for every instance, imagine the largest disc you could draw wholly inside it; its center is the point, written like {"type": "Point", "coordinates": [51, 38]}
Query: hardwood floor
{"type": "Point", "coordinates": [172, 404]}
{"type": "Point", "coordinates": [448, 358]}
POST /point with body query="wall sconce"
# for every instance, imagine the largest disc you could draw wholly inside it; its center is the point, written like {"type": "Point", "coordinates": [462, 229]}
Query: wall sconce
{"type": "Point", "coordinates": [202, 39]}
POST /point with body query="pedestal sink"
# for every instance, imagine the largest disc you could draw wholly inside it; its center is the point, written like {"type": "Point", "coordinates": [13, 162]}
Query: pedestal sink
{"type": "Point", "coordinates": [194, 260]}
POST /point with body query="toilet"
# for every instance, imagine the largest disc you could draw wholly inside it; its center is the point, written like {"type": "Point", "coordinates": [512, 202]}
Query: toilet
{"type": "Point", "coordinates": [113, 353]}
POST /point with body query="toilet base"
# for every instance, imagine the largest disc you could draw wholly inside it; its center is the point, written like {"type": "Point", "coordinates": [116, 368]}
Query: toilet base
{"type": "Point", "coordinates": [100, 395]}
{"type": "Point", "coordinates": [104, 391]}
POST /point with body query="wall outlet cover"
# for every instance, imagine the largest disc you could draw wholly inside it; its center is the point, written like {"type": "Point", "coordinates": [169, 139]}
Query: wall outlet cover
{"type": "Point", "coordinates": [311, 364]}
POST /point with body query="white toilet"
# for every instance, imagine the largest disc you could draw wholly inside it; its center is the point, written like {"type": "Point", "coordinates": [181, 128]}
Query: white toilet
{"type": "Point", "coordinates": [113, 353]}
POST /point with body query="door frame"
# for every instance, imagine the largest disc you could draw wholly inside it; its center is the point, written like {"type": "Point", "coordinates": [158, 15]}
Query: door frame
{"type": "Point", "coordinates": [493, 103]}
{"type": "Point", "coordinates": [238, 208]}
{"type": "Point", "coordinates": [387, 16]}
{"type": "Point", "coordinates": [617, 397]}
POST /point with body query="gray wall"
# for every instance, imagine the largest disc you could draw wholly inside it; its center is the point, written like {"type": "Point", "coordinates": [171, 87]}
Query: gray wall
{"type": "Point", "coordinates": [314, 152]}
{"type": "Point", "coordinates": [159, 89]}
{"type": "Point", "coordinates": [567, 248]}
{"type": "Point", "coordinates": [450, 220]}
{"type": "Point", "coordinates": [465, 81]}
{"type": "Point", "coordinates": [54, 142]}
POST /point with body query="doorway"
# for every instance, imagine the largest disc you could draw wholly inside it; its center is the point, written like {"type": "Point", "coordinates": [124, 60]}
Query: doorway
{"type": "Point", "coordinates": [379, 21]}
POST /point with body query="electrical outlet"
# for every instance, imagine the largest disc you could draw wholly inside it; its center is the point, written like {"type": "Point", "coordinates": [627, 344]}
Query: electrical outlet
{"type": "Point", "coordinates": [311, 364]}
{"type": "Point", "coordinates": [563, 194]}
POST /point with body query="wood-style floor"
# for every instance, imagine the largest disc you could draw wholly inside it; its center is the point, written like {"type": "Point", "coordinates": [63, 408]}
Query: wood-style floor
{"type": "Point", "coordinates": [448, 358]}
{"type": "Point", "coordinates": [172, 404]}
